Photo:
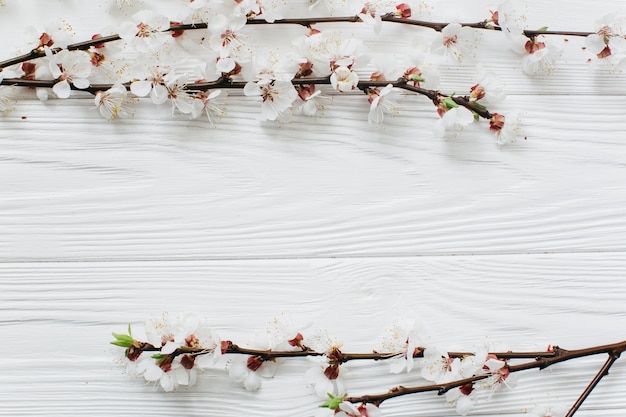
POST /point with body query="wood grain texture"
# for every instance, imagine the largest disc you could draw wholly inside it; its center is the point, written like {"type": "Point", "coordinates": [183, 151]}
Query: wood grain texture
{"type": "Point", "coordinates": [169, 189]}
{"type": "Point", "coordinates": [338, 225]}
{"type": "Point", "coordinates": [521, 301]}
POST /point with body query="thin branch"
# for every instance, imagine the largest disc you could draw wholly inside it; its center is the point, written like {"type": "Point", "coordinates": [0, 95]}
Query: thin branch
{"type": "Point", "coordinates": [268, 354]}
{"type": "Point", "coordinates": [594, 382]}
{"type": "Point", "coordinates": [307, 22]}
{"type": "Point", "coordinates": [226, 83]}
{"type": "Point", "coordinates": [560, 355]}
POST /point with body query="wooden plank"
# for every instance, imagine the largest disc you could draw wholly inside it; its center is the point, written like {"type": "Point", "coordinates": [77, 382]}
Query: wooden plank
{"type": "Point", "coordinates": [151, 188]}
{"type": "Point", "coordinates": [59, 317]}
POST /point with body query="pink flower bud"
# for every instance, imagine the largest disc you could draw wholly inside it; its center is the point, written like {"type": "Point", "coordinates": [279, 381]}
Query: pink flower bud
{"type": "Point", "coordinates": [403, 11]}
{"type": "Point", "coordinates": [254, 363]}
{"type": "Point", "coordinates": [496, 123]}
{"type": "Point", "coordinates": [176, 33]}
{"type": "Point", "coordinates": [187, 361]}
{"type": "Point", "coordinates": [533, 46]}
{"type": "Point", "coordinates": [494, 18]}
{"type": "Point", "coordinates": [45, 40]}
{"type": "Point", "coordinates": [98, 45]}
{"type": "Point", "coordinates": [477, 92]}
{"type": "Point", "coordinates": [378, 76]}
{"type": "Point", "coordinates": [332, 372]}
{"type": "Point", "coordinates": [606, 52]}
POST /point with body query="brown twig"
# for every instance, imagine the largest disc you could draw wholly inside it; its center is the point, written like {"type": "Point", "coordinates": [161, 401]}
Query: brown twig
{"type": "Point", "coordinates": [226, 83]}
{"type": "Point", "coordinates": [307, 22]}
{"type": "Point", "coordinates": [541, 362]}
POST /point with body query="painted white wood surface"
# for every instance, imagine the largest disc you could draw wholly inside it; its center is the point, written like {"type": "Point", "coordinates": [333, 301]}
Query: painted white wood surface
{"type": "Point", "coordinates": [338, 225]}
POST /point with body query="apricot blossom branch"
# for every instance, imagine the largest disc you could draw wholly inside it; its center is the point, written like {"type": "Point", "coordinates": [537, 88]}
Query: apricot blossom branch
{"type": "Point", "coordinates": [542, 361]}
{"type": "Point", "coordinates": [177, 350]}
{"type": "Point", "coordinates": [286, 83]}
{"type": "Point", "coordinates": [307, 22]}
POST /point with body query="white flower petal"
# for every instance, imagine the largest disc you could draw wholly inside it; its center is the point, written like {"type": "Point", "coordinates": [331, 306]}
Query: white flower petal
{"type": "Point", "coordinates": [62, 89]}
{"type": "Point", "coordinates": [159, 94]}
{"type": "Point", "coordinates": [141, 88]}
{"type": "Point", "coordinates": [81, 83]}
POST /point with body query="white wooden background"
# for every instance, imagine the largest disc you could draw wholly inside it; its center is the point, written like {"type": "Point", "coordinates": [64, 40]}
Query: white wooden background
{"type": "Point", "coordinates": [340, 226]}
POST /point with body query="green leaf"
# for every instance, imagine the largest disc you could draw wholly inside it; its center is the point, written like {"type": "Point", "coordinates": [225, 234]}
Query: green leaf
{"type": "Point", "coordinates": [416, 78]}
{"type": "Point", "coordinates": [123, 338]}
{"type": "Point", "coordinates": [333, 402]}
{"type": "Point", "coordinates": [449, 102]}
{"type": "Point", "coordinates": [129, 332]}
{"type": "Point", "coordinates": [157, 356]}
{"type": "Point", "coordinates": [543, 29]}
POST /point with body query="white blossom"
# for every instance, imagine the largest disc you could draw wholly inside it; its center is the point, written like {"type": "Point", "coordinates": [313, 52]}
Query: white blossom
{"type": "Point", "coordinates": [212, 103]}
{"type": "Point", "coordinates": [403, 337]}
{"type": "Point", "coordinates": [276, 96]}
{"type": "Point", "coordinates": [344, 79]}
{"type": "Point", "coordinates": [347, 409]}
{"type": "Point", "coordinates": [489, 89]}
{"type": "Point", "coordinates": [453, 122]}
{"type": "Point", "coordinates": [145, 32]}
{"type": "Point", "coordinates": [113, 102]}
{"type": "Point", "coordinates": [281, 336]}
{"type": "Point", "coordinates": [508, 129]}
{"type": "Point", "coordinates": [541, 58]}
{"type": "Point", "coordinates": [455, 42]}
{"type": "Point", "coordinates": [70, 68]}
{"type": "Point", "coordinates": [153, 85]}
{"type": "Point", "coordinates": [380, 105]}
{"type": "Point", "coordinates": [168, 334]}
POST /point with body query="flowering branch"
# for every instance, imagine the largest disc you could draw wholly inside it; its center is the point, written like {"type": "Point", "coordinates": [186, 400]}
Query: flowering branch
{"type": "Point", "coordinates": [179, 349]}
{"type": "Point", "coordinates": [307, 22]}
{"type": "Point", "coordinates": [541, 361]}
{"type": "Point", "coordinates": [286, 83]}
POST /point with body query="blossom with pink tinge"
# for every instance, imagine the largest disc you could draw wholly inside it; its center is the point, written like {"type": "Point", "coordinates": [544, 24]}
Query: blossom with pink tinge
{"type": "Point", "coordinates": [276, 97]}
{"type": "Point", "coordinates": [499, 375]}
{"type": "Point", "coordinates": [309, 95]}
{"type": "Point", "coordinates": [488, 90]}
{"type": "Point", "coordinates": [145, 32]}
{"type": "Point", "coordinates": [381, 104]}
{"type": "Point", "coordinates": [370, 16]}
{"type": "Point", "coordinates": [211, 103]}
{"type": "Point", "coordinates": [347, 409]}
{"type": "Point", "coordinates": [452, 122]}
{"type": "Point", "coordinates": [168, 334]}
{"type": "Point", "coordinates": [344, 79]}
{"type": "Point", "coordinates": [69, 68]}
{"type": "Point", "coordinates": [508, 128]}
{"type": "Point", "coordinates": [113, 102]}
{"type": "Point", "coordinates": [608, 40]}
{"type": "Point", "coordinates": [250, 369]}
{"type": "Point", "coordinates": [327, 375]}
{"type": "Point", "coordinates": [456, 42]}
{"type": "Point", "coordinates": [405, 338]}
{"type": "Point", "coordinates": [540, 58]}
{"type": "Point", "coordinates": [152, 85]}
{"type": "Point", "coordinates": [228, 40]}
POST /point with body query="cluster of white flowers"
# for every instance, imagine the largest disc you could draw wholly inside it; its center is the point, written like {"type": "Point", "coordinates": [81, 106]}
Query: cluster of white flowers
{"type": "Point", "coordinates": [175, 350]}
{"type": "Point", "coordinates": [168, 334]}
{"type": "Point", "coordinates": [188, 58]}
